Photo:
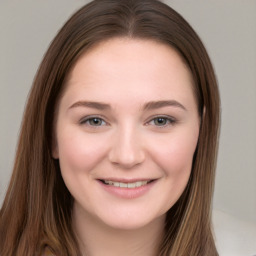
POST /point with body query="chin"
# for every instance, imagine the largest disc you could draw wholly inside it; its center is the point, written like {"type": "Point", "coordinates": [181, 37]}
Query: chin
{"type": "Point", "coordinates": [131, 221]}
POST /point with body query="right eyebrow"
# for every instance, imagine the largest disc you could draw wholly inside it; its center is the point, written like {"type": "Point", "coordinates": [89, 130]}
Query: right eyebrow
{"type": "Point", "coordinates": [91, 104]}
{"type": "Point", "coordinates": [163, 103]}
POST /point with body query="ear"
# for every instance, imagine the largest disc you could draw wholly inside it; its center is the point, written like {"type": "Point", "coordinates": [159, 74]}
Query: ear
{"type": "Point", "coordinates": [202, 116]}
{"type": "Point", "coordinates": [55, 154]}
{"type": "Point", "coordinates": [55, 148]}
{"type": "Point", "coordinates": [204, 110]}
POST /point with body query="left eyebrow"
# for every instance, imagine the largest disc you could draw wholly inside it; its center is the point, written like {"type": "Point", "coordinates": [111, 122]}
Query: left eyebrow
{"type": "Point", "coordinates": [91, 104]}
{"type": "Point", "coordinates": [164, 103]}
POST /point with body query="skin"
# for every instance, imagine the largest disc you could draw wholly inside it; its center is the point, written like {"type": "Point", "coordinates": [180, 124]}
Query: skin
{"type": "Point", "coordinates": [129, 139]}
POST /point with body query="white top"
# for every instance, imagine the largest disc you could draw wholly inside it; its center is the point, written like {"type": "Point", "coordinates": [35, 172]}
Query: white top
{"type": "Point", "coordinates": [234, 237]}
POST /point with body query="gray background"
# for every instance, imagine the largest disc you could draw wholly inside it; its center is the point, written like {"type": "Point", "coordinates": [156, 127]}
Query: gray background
{"type": "Point", "coordinates": [228, 29]}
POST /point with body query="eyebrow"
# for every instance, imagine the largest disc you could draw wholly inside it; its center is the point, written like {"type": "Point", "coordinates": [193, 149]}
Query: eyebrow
{"type": "Point", "coordinates": [91, 104]}
{"type": "Point", "coordinates": [148, 106]}
{"type": "Point", "coordinates": [164, 103]}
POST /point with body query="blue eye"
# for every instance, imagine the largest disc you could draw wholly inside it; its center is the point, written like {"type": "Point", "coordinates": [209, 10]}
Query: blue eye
{"type": "Point", "coordinates": [93, 121]}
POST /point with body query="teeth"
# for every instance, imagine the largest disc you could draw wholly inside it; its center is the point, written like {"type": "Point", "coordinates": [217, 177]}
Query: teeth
{"type": "Point", "coordinates": [123, 185]}
{"type": "Point", "coordinates": [126, 185]}
{"type": "Point", "coordinates": [131, 185]}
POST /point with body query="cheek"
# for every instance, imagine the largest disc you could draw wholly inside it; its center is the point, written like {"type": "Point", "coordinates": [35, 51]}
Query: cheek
{"type": "Point", "coordinates": [179, 157]}
{"type": "Point", "coordinates": [78, 152]}
{"type": "Point", "coordinates": [79, 155]}
{"type": "Point", "coordinates": [174, 158]}
{"type": "Point", "coordinates": [175, 155]}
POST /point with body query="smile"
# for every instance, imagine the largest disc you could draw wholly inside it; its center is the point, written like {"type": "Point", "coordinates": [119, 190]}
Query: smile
{"type": "Point", "coordinates": [136, 184]}
{"type": "Point", "coordinates": [127, 189]}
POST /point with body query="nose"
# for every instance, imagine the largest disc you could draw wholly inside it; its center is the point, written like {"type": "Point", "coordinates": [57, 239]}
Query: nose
{"type": "Point", "coordinates": [127, 149]}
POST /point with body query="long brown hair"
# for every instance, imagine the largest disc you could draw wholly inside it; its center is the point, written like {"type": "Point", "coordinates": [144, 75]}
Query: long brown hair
{"type": "Point", "coordinates": [37, 208]}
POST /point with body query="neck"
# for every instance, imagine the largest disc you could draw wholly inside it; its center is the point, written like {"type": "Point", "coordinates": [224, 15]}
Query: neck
{"type": "Point", "coordinates": [97, 239]}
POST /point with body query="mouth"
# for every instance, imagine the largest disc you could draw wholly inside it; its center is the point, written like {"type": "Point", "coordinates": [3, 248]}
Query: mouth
{"type": "Point", "coordinates": [127, 188]}
{"type": "Point", "coordinates": [131, 185]}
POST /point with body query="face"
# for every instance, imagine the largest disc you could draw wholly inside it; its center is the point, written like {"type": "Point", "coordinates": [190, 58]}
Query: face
{"type": "Point", "coordinates": [126, 130]}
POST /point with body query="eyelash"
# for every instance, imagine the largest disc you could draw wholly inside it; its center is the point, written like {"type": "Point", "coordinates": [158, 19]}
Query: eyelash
{"type": "Point", "coordinates": [167, 121]}
{"type": "Point", "coordinates": [87, 120]}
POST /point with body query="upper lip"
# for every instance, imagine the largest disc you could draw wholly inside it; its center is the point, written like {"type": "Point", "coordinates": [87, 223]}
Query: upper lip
{"type": "Point", "coordinates": [125, 180]}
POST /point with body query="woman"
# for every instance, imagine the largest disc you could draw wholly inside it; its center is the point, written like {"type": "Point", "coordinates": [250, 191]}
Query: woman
{"type": "Point", "coordinates": [118, 144]}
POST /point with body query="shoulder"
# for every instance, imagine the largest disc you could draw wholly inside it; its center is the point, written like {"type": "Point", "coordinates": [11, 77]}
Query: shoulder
{"type": "Point", "coordinates": [234, 236]}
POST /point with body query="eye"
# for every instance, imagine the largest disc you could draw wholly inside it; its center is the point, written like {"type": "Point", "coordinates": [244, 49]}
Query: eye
{"type": "Point", "coordinates": [93, 121]}
{"type": "Point", "coordinates": [162, 121]}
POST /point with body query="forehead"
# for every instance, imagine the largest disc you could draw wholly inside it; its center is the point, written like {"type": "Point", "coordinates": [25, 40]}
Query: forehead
{"type": "Point", "coordinates": [130, 67]}
{"type": "Point", "coordinates": [126, 49]}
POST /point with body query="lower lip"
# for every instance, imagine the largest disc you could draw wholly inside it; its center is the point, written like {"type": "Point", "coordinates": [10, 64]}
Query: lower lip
{"type": "Point", "coordinates": [128, 193]}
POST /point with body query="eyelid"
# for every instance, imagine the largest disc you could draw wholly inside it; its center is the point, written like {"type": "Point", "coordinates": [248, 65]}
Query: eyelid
{"type": "Point", "coordinates": [83, 120]}
{"type": "Point", "coordinates": [172, 121]}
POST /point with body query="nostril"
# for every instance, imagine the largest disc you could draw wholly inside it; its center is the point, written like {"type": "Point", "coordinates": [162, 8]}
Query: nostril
{"type": "Point", "coordinates": [126, 151]}
{"type": "Point", "coordinates": [126, 160]}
